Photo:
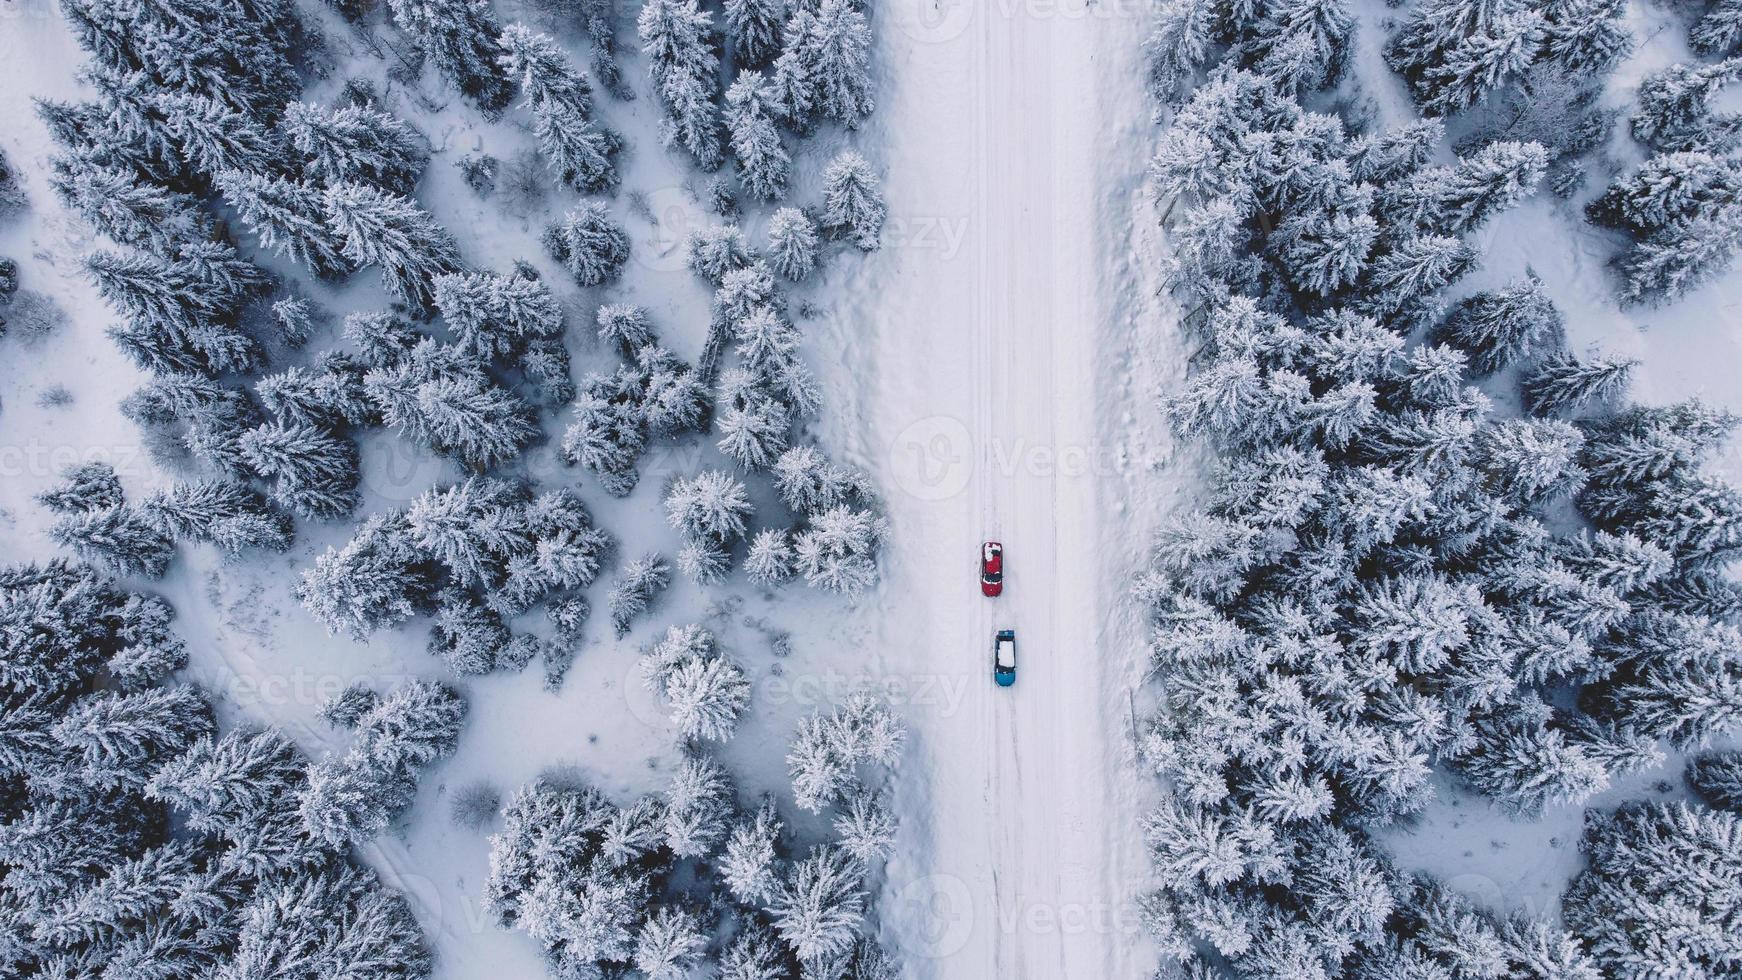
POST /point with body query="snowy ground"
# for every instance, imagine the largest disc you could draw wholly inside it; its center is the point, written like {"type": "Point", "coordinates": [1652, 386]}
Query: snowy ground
{"type": "Point", "coordinates": [1009, 366]}
{"type": "Point", "coordinates": [996, 367]}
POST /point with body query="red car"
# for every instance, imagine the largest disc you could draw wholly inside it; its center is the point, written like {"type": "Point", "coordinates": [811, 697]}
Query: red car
{"type": "Point", "coordinates": [991, 569]}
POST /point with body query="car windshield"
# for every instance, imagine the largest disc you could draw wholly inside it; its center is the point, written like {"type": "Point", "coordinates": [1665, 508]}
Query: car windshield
{"type": "Point", "coordinates": [1007, 653]}
{"type": "Point", "coordinates": [994, 576]}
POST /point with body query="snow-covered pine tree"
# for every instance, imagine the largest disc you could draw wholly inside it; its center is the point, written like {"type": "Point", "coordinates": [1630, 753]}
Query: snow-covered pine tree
{"type": "Point", "coordinates": [355, 144]}
{"type": "Point", "coordinates": [231, 515]}
{"type": "Point", "coordinates": [755, 953]}
{"type": "Point", "coordinates": [794, 87]}
{"type": "Point", "coordinates": [181, 313]}
{"type": "Point", "coordinates": [495, 317]}
{"type": "Point", "coordinates": [1678, 258]}
{"type": "Point", "coordinates": [440, 397]}
{"type": "Point", "coordinates": [1178, 47]}
{"type": "Point", "coordinates": [769, 559]}
{"type": "Point", "coordinates": [297, 318]}
{"type": "Point", "coordinates": [866, 829]}
{"type": "Point", "coordinates": [763, 163]}
{"type": "Point", "coordinates": [809, 483]}
{"type": "Point", "coordinates": [838, 548]}
{"type": "Point", "coordinates": [792, 244]}
{"type": "Point", "coordinates": [820, 905]}
{"type": "Point", "coordinates": [461, 37]}
{"type": "Point", "coordinates": [1719, 30]}
{"type": "Point", "coordinates": [1405, 278]}
{"type": "Point", "coordinates": [1526, 765]}
{"type": "Point", "coordinates": [700, 806]}
{"type": "Point", "coordinates": [753, 429]}
{"type": "Point", "coordinates": [1717, 777]}
{"type": "Point", "coordinates": [1456, 200]}
{"type": "Point", "coordinates": [670, 944]}
{"type": "Point", "coordinates": [1503, 326]}
{"type": "Point", "coordinates": [625, 327]}
{"type": "Point", "coordinates": [117, 740]}
{"type": "Point", "coordinates": [705, 561]}
{"type": "Point", "coordinates": [579, 150]}
{"type": "Point", "coordinates": [713, 251]}
{"type": "Point", "coordinates": [384, 229]}
{"type": "Point", "coordinates": [380, 578]}
{"type": "Point", "coordinates": [606, 433]}
{"type": "Point", "coordinates": [1454, 52]}
{"type": "Point", "coordinates": [1301, 44]}
{"type": "Point", "coordinates": [750, 864]}
{"type": "Point", "coordinates": [543, 70]}
{"type": "Point", "coordinates": [853, 200]}
{"type": "Point", "coordinates": [351, 798]}
{"type": "Point", "coordinates": [712, 505]}
{"type": "Point", "coordinates": [589, 244]}
{"type": "Point", "coordinates": [675, 397]}
{"type": "Point", "coordinates": [1669, 188]}
{"type": "Point", "coordinates": [129, 209]}
{"type": "Point", "coordinates": [467, 635]}
{"type": "Point", "coordinates": [1587, 36]}
{"type": "Point", "coordinates": [1563, 383]}
{"type": "Point", "coordinates": [828, 749]}
{"type": "Point", "coordinates": [315, 473]}
{"type": "Point", "coordinates": [1636, 905]}
{"type": "Point", "coordinates": [679, 40]}
{"type": "Point", "coordinates": [704, 689]}
{"type": "Point", "coordinates": [834, 44]}
{"type": "Point", "coordinates": [1675, 109]}
{"type": "Point", "coordinates": [640, 583]}
{"type": "Point", "coordinates": [214, 137]}
{"type": "Point", "coordinates": [754, 28]}
{"type": "Point", "coordinates": [332, 922]}
{"type": "Point", "coordinates": [84, 488]}
{"type": "Point", "coordinates": [122, 539]}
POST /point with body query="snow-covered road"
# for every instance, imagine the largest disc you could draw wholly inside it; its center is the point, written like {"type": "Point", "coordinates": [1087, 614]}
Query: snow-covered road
{"type": "Point", "coordinates": [1010, 398]}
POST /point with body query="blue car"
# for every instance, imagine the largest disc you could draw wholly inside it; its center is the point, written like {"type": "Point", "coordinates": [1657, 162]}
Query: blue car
{"type": "Point", "coordinates": [1004, 658]}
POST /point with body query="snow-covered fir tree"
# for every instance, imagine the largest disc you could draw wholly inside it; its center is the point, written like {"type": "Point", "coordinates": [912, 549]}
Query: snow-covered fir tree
{"type": "Point", "coordinates": [853, 200]}
{"type": "Point", "coordinates": [580, 151]}
{"type": "Point", "coordinates": [1717, 777]}
{"type": "Point", "coordinates": [351, 798]}
{"type": "Point", "coordinates": [704, 689]}
{"type": "Point", "coordinates": [496, 317]}
{"type": "Point", "coordinates": [231, 515]}
{"type": "Point", "coordinates": [818, 908]}
{"type": "Point", "coordinates": [588, 244]}
{"type": "Point", "coordinates": [288, 218]}
{"type": "Point", "coordinates": [386, 230]}
{"type": "Point", "coordinates": [828, 749]}
{"type": "Point", "coordinates": [640, 583]}
{"type": "Point", "coordinates": [355, 144]}
{"type": "Point", "coordinates": [1644, 887]}
{"type": "Point", "coordinates": [1564, 383]}
{"type": "Point", "coordinates": [792, 244]}
{"type": "Point", "coordinates": [315, 473]}
{"type": "Point", "coordinates": [99, 776]}
{"type": "Point", "coordinates": [461, 37]}
{"type": "Point", "coordinates": [1675, 108]}
{"type": "Point", "coordinates": [1503, 326]}
{"type": "Point", "coordinates": [763, 162]}
{"type": "Point", "coordinates": [680, 43]}
{"type": "Point", "coordinates": [831, 43]}
{"type": "Point", "coordinates": [711, 505]}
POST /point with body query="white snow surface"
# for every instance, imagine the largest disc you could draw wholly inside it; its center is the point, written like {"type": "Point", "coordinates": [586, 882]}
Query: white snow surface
{"type": "Point", "coordinates": [1009, 363]}
{"type": "Point", "coordinates": [996, 367]}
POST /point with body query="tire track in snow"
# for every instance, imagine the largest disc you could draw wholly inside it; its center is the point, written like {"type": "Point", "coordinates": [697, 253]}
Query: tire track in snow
{"type": "Point", "coordinates": [998, 123]}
